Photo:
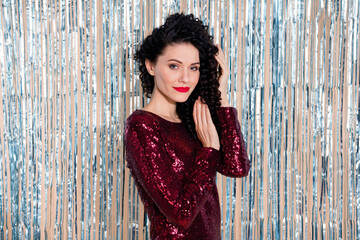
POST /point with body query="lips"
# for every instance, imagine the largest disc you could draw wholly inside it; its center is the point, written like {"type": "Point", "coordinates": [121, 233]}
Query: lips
{"type": "Point", "coordinates": [182, 89]}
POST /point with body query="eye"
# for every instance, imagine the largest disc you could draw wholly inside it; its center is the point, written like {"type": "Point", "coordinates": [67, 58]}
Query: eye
{"type": "Point", "coordinates": [194, 68]}
{"type": "Point", "coordinates": [173, 66]}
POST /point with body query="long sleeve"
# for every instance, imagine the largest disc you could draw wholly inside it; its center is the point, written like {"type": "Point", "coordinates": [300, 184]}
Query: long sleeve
{"type": "Point", "coordinates": [234, 160]}
{"type": "Point", "coordinates": [158, 173]}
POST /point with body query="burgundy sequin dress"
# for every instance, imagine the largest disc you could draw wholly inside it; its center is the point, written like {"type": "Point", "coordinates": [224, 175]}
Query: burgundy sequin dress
{"type": "Point", "coordinates": [175, 175]}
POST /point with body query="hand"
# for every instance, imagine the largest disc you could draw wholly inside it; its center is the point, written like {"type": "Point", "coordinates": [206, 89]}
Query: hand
{"type": "Point", "coordinates": [204, 125]}
{"type": "Point", "coordinates": [220, 58]}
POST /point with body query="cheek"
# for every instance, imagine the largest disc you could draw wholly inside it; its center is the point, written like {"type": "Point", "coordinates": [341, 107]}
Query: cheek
{"type": "Point", "coordinates": [168, 76]}
{"type": "Point", "coordinates": [163, 77]}
{"type": "Point", "coordinates": [196, 78]}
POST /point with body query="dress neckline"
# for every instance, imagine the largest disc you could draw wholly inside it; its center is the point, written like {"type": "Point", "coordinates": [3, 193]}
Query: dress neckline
{"type": "Point", "coordinates": [157, 116]}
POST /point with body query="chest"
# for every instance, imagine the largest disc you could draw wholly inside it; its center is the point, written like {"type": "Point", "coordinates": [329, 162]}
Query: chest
{"type": "Point", "coordinates": [180, 147]}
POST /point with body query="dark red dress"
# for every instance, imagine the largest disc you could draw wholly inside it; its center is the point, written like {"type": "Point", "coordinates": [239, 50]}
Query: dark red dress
{"type": "Point", "coordinates": [175, 176]}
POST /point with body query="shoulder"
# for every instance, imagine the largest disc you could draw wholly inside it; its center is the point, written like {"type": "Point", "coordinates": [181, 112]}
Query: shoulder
{"type": "Point", "coordinates": [140, 128]}
{"type": "Point", "coordinates": [140, 120]}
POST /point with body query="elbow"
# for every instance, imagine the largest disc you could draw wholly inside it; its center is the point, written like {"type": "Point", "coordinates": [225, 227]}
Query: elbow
{"type": "Point", "coordinates": [183, 223]}
{"type": "Point", "coordinates": [243, 172]}
{"type": "Point", "coordinates": [240, 170]}
{"type": "Point", "coordinates": [245, 168]}
{"type": "Point", "coordinates": [184, 219]}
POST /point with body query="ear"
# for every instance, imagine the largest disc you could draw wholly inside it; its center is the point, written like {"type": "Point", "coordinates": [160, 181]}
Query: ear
{"type": "Point", "coordinates": [149, 67]}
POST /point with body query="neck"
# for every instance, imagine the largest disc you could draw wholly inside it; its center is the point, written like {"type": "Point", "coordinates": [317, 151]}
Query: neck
{"type": "Point", "coordinates": [163, 107]}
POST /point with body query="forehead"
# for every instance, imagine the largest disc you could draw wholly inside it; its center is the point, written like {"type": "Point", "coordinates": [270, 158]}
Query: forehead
{"type": "Point", "coordinates": [184, 52]}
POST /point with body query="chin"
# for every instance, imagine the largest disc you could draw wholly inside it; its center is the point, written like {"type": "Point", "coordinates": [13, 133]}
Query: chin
{"type": "Point", "coordinates": [179, 97]}
{"type": "Point", "coordinates": [181, 100]}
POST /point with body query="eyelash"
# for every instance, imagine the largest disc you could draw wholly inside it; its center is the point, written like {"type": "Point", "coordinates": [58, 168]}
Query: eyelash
{"type": "Point", "coordinates": [173, 66]}
{"type": "Point", "coordinates": [195, 68]}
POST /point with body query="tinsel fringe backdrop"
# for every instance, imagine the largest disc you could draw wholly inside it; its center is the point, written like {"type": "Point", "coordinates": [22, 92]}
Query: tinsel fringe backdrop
{"type": "Point", "coordinates": [68, 81]}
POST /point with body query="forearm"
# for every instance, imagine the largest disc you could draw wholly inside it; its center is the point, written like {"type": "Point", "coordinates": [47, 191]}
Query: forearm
{"type": "Point", "coordinates": [234, 162]}
{"type": "Point", "coordinates": [224, 98]}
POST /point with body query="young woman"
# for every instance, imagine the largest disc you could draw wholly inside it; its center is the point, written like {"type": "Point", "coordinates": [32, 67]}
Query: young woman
{"type": "Point", "coordinates": [187, 132]}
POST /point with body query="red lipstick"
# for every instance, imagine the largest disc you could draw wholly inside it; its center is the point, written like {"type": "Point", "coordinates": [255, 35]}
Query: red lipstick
{"type": "Point", "coordinates": [182, 89]}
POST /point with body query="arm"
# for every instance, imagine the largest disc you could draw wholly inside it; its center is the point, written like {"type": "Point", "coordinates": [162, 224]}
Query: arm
{"type": "Point", "coordinates": [150, 164]}
{"type": "Point", "coordinates": [234, 161]}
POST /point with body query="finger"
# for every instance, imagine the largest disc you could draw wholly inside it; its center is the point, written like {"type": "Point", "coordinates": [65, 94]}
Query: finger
{"type": "Point", "coordinates": [203, 115]}
{"type": "Point", "coordinates": [220, 56]}
{"type": "Point", "coordinates": [220, 51]}
{"type": "Point", "coordinates": [198, 114]}
{"type": "Point", "coordinates": [222, 62]}
{"type": "Point", "coordinates": [201, 118]}
{"type": "Point", "coordinates": [208, 116]}
{"type": "Point", "coordinates": [195, 113]}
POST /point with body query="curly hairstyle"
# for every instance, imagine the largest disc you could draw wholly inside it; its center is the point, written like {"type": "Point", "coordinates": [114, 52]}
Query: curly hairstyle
{"type": "Point", "coordinates": [179, 28]}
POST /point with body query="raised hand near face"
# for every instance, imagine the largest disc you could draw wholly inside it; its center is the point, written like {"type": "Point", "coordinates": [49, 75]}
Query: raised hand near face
{"type": "Point", "coordinates": [220, 58]}
{"type": "Point", "coordinates": [204, 125]}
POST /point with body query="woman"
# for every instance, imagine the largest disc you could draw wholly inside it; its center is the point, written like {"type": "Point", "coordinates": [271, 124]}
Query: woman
{"type": "Point", "coordinates": [186, 133]}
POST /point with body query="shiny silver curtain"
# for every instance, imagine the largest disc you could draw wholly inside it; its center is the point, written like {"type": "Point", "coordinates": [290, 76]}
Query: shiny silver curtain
{"type": "Point", "coordinates": [68, 82]}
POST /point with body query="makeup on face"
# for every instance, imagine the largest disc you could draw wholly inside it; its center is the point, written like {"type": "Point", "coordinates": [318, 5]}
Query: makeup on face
{"type": "Point", "coordinates": [176, 73]}
{"type": "Point", "coordinates": [182, 89]}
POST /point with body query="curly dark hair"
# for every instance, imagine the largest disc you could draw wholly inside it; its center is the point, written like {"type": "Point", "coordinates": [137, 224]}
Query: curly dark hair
{"type": "Point", "coordinates": [180, 28]}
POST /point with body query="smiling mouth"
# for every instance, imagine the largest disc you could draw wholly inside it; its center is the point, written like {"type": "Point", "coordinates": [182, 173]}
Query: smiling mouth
{"type": "Point", "coordinates": [182, 89]}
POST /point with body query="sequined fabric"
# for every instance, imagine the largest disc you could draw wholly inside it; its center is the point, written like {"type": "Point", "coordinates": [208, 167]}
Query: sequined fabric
{"type": "Point", "coordinates": [175, 175]}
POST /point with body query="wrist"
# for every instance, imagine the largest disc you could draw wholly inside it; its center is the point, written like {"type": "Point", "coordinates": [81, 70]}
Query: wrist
{"type": "Point", "coordinates": [215, 146]}
{"type": "Point", "coordinates": [224, 99]}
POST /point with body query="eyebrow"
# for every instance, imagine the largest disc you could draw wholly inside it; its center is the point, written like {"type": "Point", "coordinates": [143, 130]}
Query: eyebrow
{"type": "Point", "coordinates": [181, 62]}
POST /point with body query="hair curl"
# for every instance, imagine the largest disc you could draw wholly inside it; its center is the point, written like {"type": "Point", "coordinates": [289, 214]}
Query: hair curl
{"type": "Point", "coordinates": [180, 28]}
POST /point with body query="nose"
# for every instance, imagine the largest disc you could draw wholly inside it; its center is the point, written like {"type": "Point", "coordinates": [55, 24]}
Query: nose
{"type": "Point", "coordinates": [185, 76]}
